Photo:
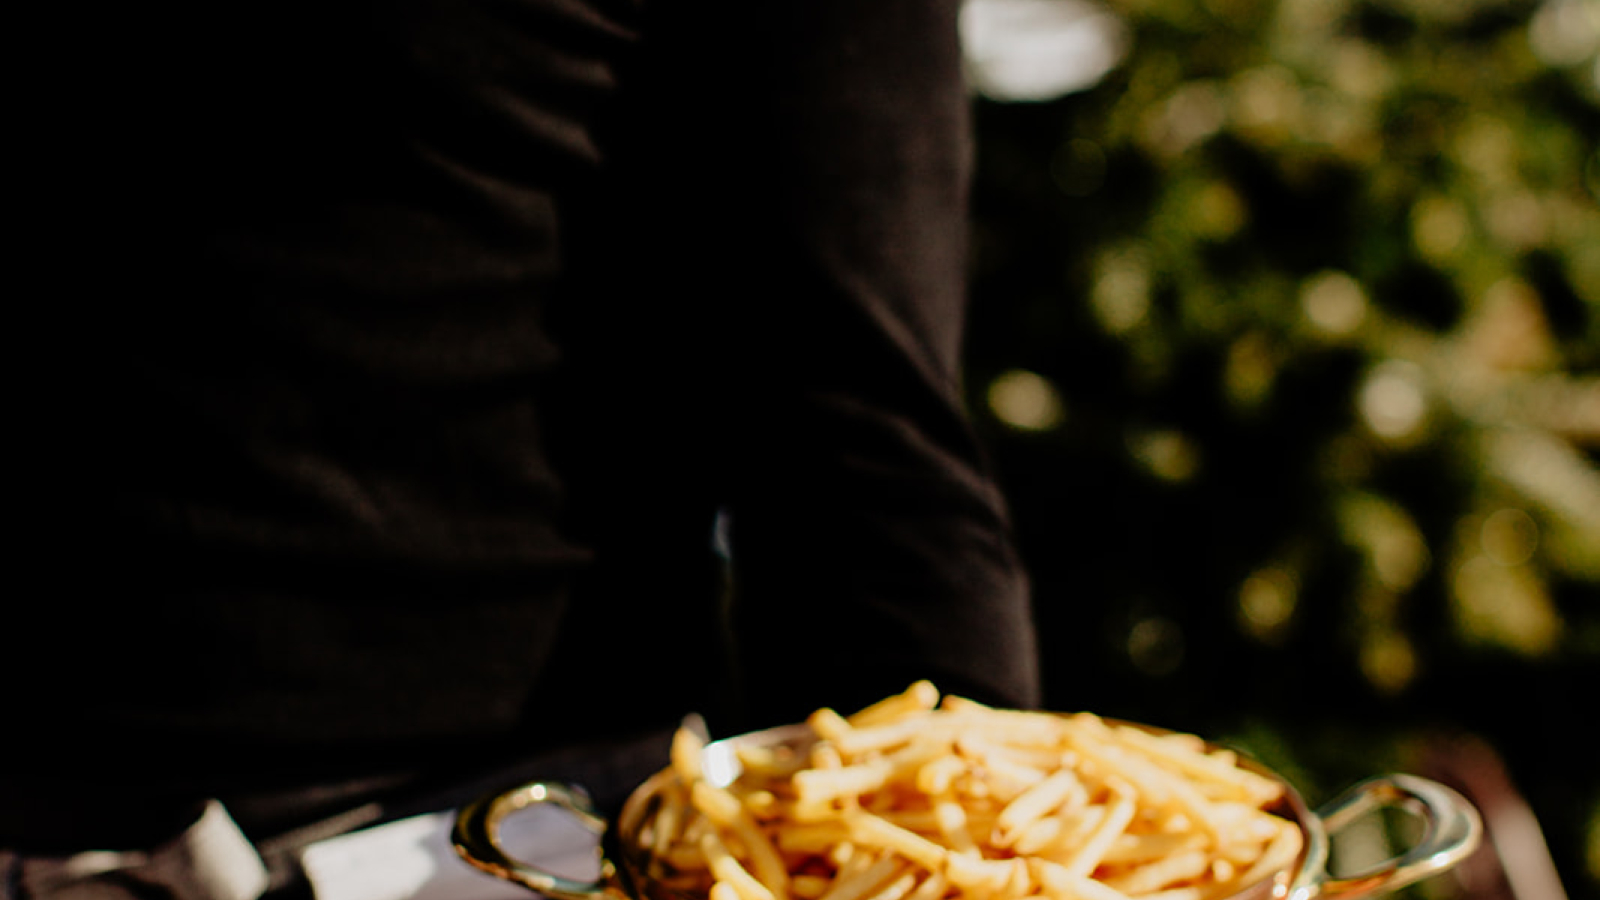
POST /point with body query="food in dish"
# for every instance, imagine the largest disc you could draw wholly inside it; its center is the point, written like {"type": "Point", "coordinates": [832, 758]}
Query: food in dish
{"type": "Point", "coordinates": [929, 797]}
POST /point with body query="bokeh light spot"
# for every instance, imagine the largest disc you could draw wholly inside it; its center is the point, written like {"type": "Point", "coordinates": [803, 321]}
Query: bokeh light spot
{"type": "Point", "coordinates": [1360, 70]}
{"type": "Point", "coordinates": [1488, 147]}
{"type": "Point", "coordinates": [1193, 113]}
{"type": "Point", "coordinates": [1388, 661]}
{"type": "Point", "coordinates": [1400, 556]}
{"type": "Point", "coordinates": [1219, 212]}
{"type": "Point", "coordinates": [1267, 101]}
{"type": "Point", "coordinates": [1026, 401]}
{"type": "Point", "coordinates": [1156, 646]}
{"type": "Point", "coordinates": [1169, 455]}
{"type": "Point", "coordinates": [1396, 550]}
{"type": "Point", "coordinates": [1121, 294]}
{"type": "Point", "coordinates": [1565, 32]}
{"type": "Point", "coordinates": [1439, 227]}
{"type": "Point", "coordinates": [1505, 606]}
{"type": "Point", "coordinates": [1267, 602]}
{"type": "Point", "coordinates": [1517, 219]}
{"type": "Point", "coordinates": [1035, 50]}
{"type": "Point", "coordinates": [1393, 402]}
{"type": "Point", "coordinates": [1508, 331]}
{"type": "Point", "coordinates": [1252, 367]}
{"type": "Point", "coordinates": [1334, 303]}
{"type": "Point", "coordinates": [1509, 536]}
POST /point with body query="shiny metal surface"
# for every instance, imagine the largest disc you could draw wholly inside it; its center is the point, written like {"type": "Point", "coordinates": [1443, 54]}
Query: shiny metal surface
{"type": "Point", "coordinates": [476, 837]}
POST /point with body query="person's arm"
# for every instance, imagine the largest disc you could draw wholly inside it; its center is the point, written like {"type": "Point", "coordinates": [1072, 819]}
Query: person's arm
{"type": "Point", "coordinates": [870, 544]}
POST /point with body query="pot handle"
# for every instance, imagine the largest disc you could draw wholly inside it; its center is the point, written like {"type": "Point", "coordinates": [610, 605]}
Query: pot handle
{"type": "Point", "coordinates": [476, 837]}
{"type": "Point", "coordinates": [1451, 831]}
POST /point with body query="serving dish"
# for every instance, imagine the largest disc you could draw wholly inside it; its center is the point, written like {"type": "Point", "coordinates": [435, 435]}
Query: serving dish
{"type": "Point", "coordinates": [1451, 829]}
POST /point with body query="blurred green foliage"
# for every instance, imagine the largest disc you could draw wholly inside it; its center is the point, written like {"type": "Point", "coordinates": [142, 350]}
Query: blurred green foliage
{"type": "Point", "coordinates": [1287, 338]}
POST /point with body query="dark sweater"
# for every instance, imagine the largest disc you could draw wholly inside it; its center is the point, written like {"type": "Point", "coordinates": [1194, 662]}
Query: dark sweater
{"type": "Point", "coordinates": [417, 348]}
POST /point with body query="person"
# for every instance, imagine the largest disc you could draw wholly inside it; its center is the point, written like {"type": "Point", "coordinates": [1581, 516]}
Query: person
{"type": "Point", "coordinates": [454, 385]}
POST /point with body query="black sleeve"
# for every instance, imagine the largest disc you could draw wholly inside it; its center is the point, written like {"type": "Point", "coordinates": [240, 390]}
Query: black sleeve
{"type": "Point", "coordinates": [870, 544]}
